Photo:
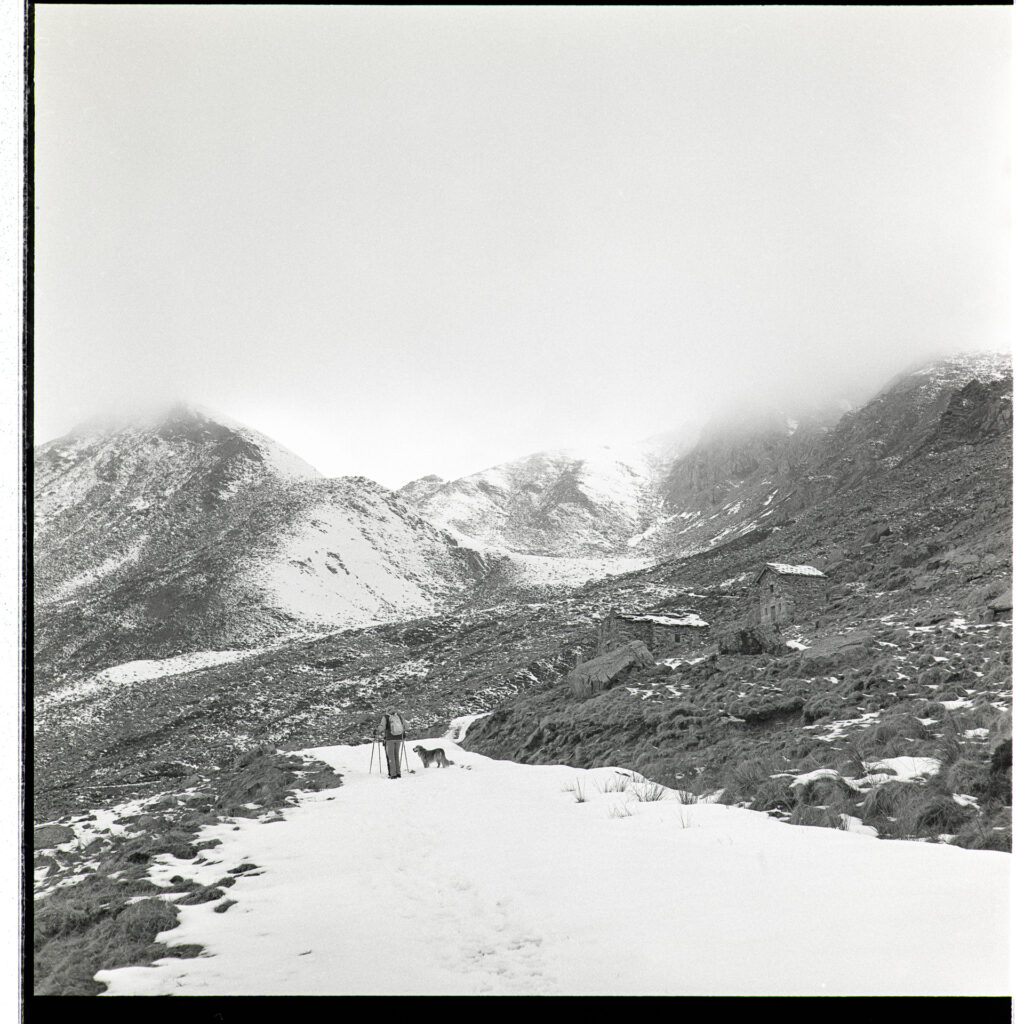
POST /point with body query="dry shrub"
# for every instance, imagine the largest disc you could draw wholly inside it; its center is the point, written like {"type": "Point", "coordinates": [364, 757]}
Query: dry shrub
{"type": "Point", "coordinates": [965, 776]}
{"type": "Point", "coordinates": [935, 813]}
{"type": "Point", "coordinates": [951, 724]}
{"type": "Point", "coordinates": [822, 817]}
{"type": "Point", "coordinates": [823, 707]}
{"type": "Point", "coordinates": [142, 921]}
{"type": "Point", "coordinates": [829, 790]}
{"type": "Point", "coordinates": [204, 894]}
{"type": "Point", "coordinates": [982, 716]}
{"type": "Point", "coordinates": [77, 937]}
{"type": "Point", "coordinates": [887, 800]}
{"type": "Point", "coordinates": [745, 778]}
{"type": "Point", "coordinates": [977, 836]}
{"type": "Point", "coordinates": [947, 749]}
{"type": "Point", "coordinates": [852, 764]}
{"type": "Point", "coordinates": [775, 795]}
{"type": "Point", "coordinates": [879, 737]}
{"type": "Point", "coordinates": [648, 792]}
{"type": "Point", "coordinates": [62, 916]}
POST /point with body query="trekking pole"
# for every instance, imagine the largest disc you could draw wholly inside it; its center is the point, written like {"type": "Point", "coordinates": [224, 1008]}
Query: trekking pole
{"type": "Point", "coordinates": [405, 753]}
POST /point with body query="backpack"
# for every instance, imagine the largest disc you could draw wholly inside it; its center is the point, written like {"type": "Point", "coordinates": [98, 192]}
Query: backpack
{"type": "Point", "coordinates": [395, 727]}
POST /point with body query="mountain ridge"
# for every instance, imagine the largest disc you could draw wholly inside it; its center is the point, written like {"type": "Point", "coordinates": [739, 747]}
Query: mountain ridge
{"type": "Point", "coordinates": [184, 532]}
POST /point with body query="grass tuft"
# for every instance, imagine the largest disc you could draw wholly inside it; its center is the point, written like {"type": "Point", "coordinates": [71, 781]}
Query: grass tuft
{"type": "Point", "coordinates": [976, 835]}
{"type": "Point", "coordinates": [829, 789]}
{"type": "Point", "coordinates": [76, 937]}
{"type": "Point", "coordinates": [616, 783]}
{"type": "Point", "coordinates": [578, 790]}
{"type": "Point", "coordinates": [620, 811]}
{"type": "Point", "coordinates": [648, 792]}
{"type": "Point", "coordinates": [886, 801]}
{"type": "Point", "coordinates": [745, 778]}
{"type": "Point", "coordinates": [775, 795]}
{"type": "Point", "coordinates": [820, 816]}
{"type": "Point", "coordinates": [936, 814]}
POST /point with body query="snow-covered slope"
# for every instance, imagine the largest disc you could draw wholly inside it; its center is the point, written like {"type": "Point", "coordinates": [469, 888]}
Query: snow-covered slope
{"type": "Point", "coordinates": [499, 878]}
{"type": "Point", "coordinates": [105, 490]}
{"type": "Point", "coordinates": [191, 533]}
{"type": "Point", "coordinates": [357, 555]}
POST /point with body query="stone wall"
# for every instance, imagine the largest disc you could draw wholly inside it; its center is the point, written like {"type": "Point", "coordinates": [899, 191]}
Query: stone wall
{"type": "Point", "coordinates": [784, 598]}
{"type": "Point", "coordinates": [616, 629]}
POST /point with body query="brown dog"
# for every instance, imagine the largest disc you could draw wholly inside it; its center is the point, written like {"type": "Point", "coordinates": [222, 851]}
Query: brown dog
{"type": "Point", "coordinates": [436, 757]}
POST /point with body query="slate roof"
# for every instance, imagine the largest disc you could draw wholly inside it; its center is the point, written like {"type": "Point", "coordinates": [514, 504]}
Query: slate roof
{"type": "Point", "coordinates": [690, 619]}
{"type": "Point", "coordinates": [791, 570]}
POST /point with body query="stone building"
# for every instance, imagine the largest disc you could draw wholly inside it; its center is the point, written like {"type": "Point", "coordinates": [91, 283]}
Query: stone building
{"type": "Point", "coordinates": [662, 634]}
{"type": "Point", "coordinates": [786, 593]}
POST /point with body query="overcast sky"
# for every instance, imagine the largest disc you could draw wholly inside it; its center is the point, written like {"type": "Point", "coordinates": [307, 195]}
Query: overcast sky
{"type": "Point", "coordinates": [404, 241]}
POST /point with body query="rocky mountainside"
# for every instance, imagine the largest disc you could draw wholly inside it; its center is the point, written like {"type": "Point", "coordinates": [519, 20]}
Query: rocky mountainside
{"type": "Point", "coordinates": [905, 503]}
{"type": "Point", "coordinates": [748, 477]}
{"type": "Point", "coordinates": [190, 532]}
{"type": "Point", "coordinates": [747, 473]}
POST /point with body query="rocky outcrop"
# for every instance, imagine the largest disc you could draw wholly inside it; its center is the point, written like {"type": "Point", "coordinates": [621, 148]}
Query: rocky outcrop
{"type": "Point", "coordinates": [977, 411]}
{"type": "Point", "coordinates": [49, 836]}
{"type": "Point", "coordinates": [1000, 607]}
{"type": "Point", "coordinates": [606, 670]}
{"type": "Point", "coordinates": [751, 640]}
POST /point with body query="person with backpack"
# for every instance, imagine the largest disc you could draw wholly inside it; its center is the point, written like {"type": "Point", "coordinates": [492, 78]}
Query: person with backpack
{"type": "Point", "coordinates": [392, 732]}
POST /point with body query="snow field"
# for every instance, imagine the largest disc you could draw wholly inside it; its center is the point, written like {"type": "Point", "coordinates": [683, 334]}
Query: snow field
{"type": "Point", "coordinates": [333, 570]}
{"type": "Point", "coordinates": [567, 571]}
{"type": "Point", "coordinates": [459, 726]}
{"type": "Point", "coordinates": [81, 701]}
{"type": "Point", "coordinates": [496, 880]}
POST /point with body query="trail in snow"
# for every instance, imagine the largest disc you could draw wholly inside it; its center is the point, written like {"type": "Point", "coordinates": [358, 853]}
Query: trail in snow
{"type": "Point", "coordinates": [495, 880]}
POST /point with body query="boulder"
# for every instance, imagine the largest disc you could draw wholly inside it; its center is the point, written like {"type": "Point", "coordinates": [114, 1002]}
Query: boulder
{"type": "Point", "coordinates": [606, 670]}
{"type": "Point", "coordinates": [875, 533]}
{"type": "Point", "coordinates": [48, 836]}
{"type": "Point", "coordinates": [836, 654]}
{"type": "Point", "coordinates": [752, 640]}
{"type": "Point", "coordinates": [1000, 607]}
{"type": "Point", "coordinates": [326, 778]}
{"type": "Point", "coordinates": [253, 754]}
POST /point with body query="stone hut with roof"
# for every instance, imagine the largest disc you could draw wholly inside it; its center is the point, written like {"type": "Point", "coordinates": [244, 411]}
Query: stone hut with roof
{"type": "Point", "coordinates": [786, 593]}
{"type": "Point", "coordinates": [662, 634]}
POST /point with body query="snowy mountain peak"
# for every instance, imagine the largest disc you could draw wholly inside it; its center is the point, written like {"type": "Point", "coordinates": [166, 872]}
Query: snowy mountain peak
{"type": "Point", "coordinates": [184, 530]}
{"type": "Point", "coordinates": [565, 502]}
{"type": "Point", "coordinates": [947, 372]}
{"type": "Point", "coordinates": [175, 427]}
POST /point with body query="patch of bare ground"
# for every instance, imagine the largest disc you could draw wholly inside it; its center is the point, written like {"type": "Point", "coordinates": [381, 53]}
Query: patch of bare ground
{"type": "Point", "coordinates": [96, 908]}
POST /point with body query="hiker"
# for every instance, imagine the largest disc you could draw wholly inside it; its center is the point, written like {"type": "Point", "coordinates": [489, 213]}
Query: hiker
{"type": "Point", "coordinates": [392, 732]}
